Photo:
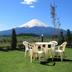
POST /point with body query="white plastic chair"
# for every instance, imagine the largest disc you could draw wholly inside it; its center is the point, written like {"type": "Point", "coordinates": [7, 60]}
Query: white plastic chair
{"type": "Point", "coordinates": [28, 48]}
{"type": "Point", "coordinates": [39, 52]}
{"type": "Point", "coordinates": [53, 45]}
{"type": "Point", "coordinates": [34, 52]}
{"type": "Point", "coordinates": [59, 50]}
{"type": "Point", "coordinates": [25, 43]}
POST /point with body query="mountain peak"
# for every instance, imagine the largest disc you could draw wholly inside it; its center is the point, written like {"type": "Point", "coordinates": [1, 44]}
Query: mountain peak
{"type": "Point", "coordinates": [33, 23]}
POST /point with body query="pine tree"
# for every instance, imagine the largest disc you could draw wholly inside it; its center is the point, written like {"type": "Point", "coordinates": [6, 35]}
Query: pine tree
{"type": "Point", "coordinates": [14, 40]}
{"type": "Point", "coordinates": [69, 38]}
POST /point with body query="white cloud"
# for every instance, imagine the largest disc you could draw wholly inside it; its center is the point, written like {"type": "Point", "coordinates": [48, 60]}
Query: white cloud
{"type": "Point", "coordinates": [32, 6]}
{"type": "Point", "coordinates": [29, 2]}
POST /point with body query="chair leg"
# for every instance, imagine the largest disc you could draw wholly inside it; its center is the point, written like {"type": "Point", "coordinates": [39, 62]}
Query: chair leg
{"type": "Point", "coordinates": [52, 57]}
{"type": "Point", "coordinates": [31, 58]}
{"type": "Point", "coordinates": [25, 53]}
{"type": "Point", "coordinates": [39, 57]}
{"type": "Point", "coordinates": [61, 56]}
{"type": "Point", "coordinates": [30, 54]}
{"type": "Point", "coordinates": [53, 54]}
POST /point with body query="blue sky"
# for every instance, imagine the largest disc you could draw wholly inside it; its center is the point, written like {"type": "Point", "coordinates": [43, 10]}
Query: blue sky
{"type": "Point", "coordinates": [14, 13]}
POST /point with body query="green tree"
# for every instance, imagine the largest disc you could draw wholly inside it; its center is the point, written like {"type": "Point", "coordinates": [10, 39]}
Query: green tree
{"type": "Point", "coordinates": [61, 38]}
{"type": "Point", "coordinates": [14, 39]}
{"type": "Point", "coordinates": [69, 38]}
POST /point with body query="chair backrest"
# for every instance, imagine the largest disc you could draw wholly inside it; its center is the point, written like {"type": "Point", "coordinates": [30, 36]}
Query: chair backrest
{"type": "Point", "coordinates": [63, 45]}
{"type": "Point", "coordinates": [25, 43]}
{"type": "Point", "coordinates": [55, 42]}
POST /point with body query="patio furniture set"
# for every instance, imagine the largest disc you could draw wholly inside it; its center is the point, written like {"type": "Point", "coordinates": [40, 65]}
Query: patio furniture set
{"type": "Point", "coordinates": [44, 50]}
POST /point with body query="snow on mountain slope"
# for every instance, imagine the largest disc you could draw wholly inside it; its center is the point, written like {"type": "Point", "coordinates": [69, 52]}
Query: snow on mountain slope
{"type": "Point", "coordinates": [33, 23]}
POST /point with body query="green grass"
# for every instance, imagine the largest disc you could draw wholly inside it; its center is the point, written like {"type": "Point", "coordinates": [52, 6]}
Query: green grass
{"type": "Point", "coordinates": [14, 61]}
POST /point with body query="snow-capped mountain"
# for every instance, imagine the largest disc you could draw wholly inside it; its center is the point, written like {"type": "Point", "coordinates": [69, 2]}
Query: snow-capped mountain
{"type": "Point", "coordinates": [33, 26]}
{"type": "Point", "coordinates": [34, 23]}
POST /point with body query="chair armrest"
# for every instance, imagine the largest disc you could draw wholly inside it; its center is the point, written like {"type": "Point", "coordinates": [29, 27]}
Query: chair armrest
{"type": "Point", "coordinates": [57, 47]}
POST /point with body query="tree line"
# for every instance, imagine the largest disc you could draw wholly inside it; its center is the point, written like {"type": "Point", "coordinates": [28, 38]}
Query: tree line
{"type": "Point", "coordinates": [67, 37]}
{"type": "Point", "coordinates": [61, 38]}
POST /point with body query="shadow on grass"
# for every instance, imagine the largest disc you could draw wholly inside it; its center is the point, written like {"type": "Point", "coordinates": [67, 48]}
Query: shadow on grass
{"type": "Point", "coordinates": [64, 60]}
{"type": "Point", "coordinates": [4, 49]}
{"type": "Point", "coordinates": [49, 61]}
{"type": "Point", "coordinates": [9, 49]}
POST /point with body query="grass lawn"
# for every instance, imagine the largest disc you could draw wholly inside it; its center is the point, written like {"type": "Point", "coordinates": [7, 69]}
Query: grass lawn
{"type": "Point", "coordinates": [14, 61]}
